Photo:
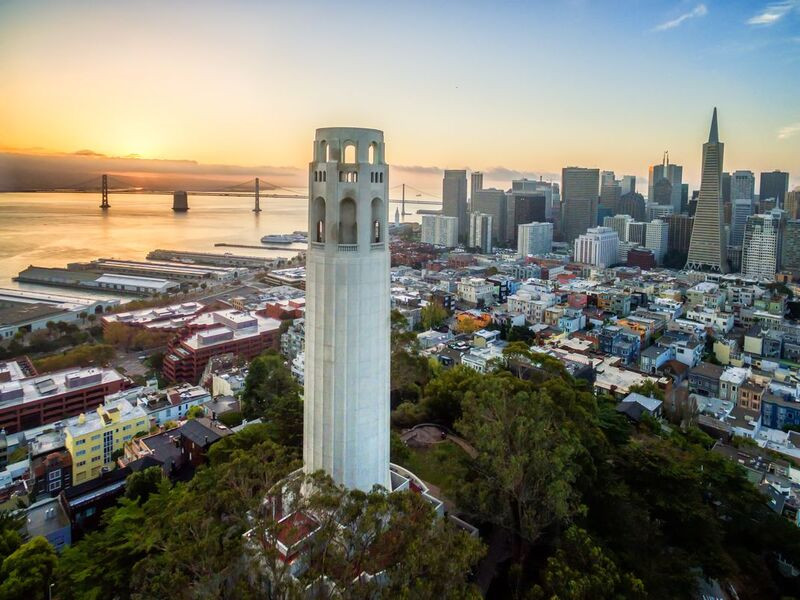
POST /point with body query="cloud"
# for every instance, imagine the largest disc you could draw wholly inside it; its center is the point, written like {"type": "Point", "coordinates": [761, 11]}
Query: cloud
{"type": "Point", "coordinates": [788, 131]}
{"type": "Point", "coordinates": [418, 169]}
{"type": "Point", "coordinates": [772, 13]}
{"type": "Point", "coordinates": [698, 11]}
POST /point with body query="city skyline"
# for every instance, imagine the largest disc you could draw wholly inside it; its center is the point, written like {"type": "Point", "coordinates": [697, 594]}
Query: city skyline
{"type": "Point", "coordinates": [238, 87]}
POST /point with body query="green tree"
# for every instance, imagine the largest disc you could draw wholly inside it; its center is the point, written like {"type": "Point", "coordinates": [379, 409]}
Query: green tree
{"type": "Point", "coordinates": [648, 388]}
{"type": "Point", "coordinates": [27, 572]}
{"type": "Point", "coordinates": [139, 485]}
{"type": "Point", "coordinates": [194, 412]}
{"type": "Point", "coordinates": [524, 468]}
{"type": "Point", "coordinates": [581, 570]}
{"type": "Point", "coordinates": [432, 315]}
{"type": "Point", "coordinates": [272, 394]}
{"type": "Point", "coordinates": [444, 394]}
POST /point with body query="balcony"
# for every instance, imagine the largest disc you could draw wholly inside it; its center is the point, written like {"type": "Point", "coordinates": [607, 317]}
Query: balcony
{"type": "Point", "coordinates": [377, 246]}
{"type": "Point", "coordinates": [318, 244]}
{"type": "Point", "coordinates": [348, 247]}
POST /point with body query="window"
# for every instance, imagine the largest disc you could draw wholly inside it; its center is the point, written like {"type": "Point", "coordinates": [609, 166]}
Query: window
{"type": "Point", "coordinates": [80, 442]}
{"type": "Point", "coordinates": [96, 448]}
{"type": "Point", "coordinates": [95, 458]}
{"type": "Point", "coordinates": [54, 475]}
{"type": "Point", "coordinates": [348, 228]}
{"type": "Point", "coordinates": [139, 423]}
{"type": "Point", "coordinates": [53, 486]}
{"type": "Point", "coordinates": [318, 219]}
{"type": "Point", "coordinates": [126, 427]}
{"type": "Point", "coordinates": [80, 463]}
{"type": "Point", "coordinates": [108, 446]}
{"type": "Point", "coordinates": [349, 153]}
{"type": "Point", "coordinates": [377, 220]}
{"type": "Point", "coordinates": [95, 437]}
{"type": "Point", "coordinates": [372, 154]}
{"type": "Point", "coordinates": [80, 453]}
{"type": "Point", "coordinates": [126, 438]}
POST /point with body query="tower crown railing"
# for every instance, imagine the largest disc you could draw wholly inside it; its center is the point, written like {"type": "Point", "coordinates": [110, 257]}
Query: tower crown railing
{"type": "Point", "coordinates": [348, 247]}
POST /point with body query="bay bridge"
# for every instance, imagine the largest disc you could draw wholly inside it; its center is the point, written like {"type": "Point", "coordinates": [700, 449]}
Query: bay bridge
{"type": "Point", "coordinates": [256, 188]}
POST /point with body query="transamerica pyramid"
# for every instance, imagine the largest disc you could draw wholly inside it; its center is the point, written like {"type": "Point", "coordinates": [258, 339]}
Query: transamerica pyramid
{"type": "Point", "coordinates": [707, 246]}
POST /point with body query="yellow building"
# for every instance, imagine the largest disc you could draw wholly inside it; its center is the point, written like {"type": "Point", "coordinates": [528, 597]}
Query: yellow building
{"type": "Point", "coordinates": [94, 437]}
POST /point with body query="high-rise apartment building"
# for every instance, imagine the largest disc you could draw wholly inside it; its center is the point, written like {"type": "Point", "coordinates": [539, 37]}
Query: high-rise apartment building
{"type": "Point", "coordinates": [580, 188]}
{"type": "Point", "coordinates": [475, 183]}
{"type": "Point", "coordinates": [743, 186]}
{"type": "Point", "coordinates": [657, 239]}
{"type": "Point", "coordinates": [346, 401]}
{"type": "Point", "coordinates": [707, 247]}
{"type": "Point", "coordinates": [480, 232]}
{"type": "Point", "coordinates": [534, 238]}
{"type": "Point", "coordinates": [619, 223]}
{"type": "Point", "coordinates": [597, 247]}
{"type": "Point", "coordinates": [454, 199]}
{"type": "Point", "coordinates": [493, 202]}
{"type": "Point", "coordinates": [632, 204]}
{"type": "Point", "coordinates": [440, 230]}
{"type": "Point", "coordinates": [674, 175]}
{"type": "Point", "coordinates": [760, 250]}
{"type": "Point", "coordinates": [774, 184]}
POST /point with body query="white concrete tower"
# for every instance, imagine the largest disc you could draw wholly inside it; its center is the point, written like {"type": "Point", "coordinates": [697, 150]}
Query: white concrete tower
{"type": "Point", "coordinates": [346, 419]}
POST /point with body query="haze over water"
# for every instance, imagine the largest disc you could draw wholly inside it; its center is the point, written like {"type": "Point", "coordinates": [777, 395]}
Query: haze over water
{"type": "Point", "coordinates": [53, 229]}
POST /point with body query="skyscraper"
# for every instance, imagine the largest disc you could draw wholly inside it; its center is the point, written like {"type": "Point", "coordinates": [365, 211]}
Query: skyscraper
{"type": "Point", "coordinates": [526, 204]}
{"type": "Point", "coordinates": [580, 189]}
{"type": "Point", "coordinates": [790, 249]}
{"type": "Point", "coordinates": [761, 247]}
{"type": "Point", "coordinates": [493, 202]}
{"type": "Point", "coordinates": [791, 204]}
{"type": "Point", "coordinates": [534, 238]}
{"type": "Point", "coordinates": [707, 247]}
{"type": "Point", "coordinates": [743, 186]}
{"type": "Point", "coordinates": [680, 232]}
{"type": "Point", "coordinates": [742, 209]}
{"type": "Point", "coordinates": [726, 187]}
{"type": "Point", "coordinates": [673, 174]}
{"type": "Point", "coordinates": [454, 199]}
{"type": "Point", "coordinates": [774, 184]}
{"type": "Point", "coordinates": [475, 184]}
{"type": "Point", "coordinates": [627, 184]}
{"type": "Point", "coordinates": [480, 232]}
{"type": "Point", "coordinates": [632, 204]}
{"type": "Point", "coordinates": [346, 407]}
{"type": "Point", "coordinates": [610, 193]}
{"type": "Point", "coordinates": [657, 239]}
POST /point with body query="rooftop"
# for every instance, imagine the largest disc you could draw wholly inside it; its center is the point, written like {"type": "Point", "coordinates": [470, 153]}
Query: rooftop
{"type": "Point", "coordinates": [35, 388]}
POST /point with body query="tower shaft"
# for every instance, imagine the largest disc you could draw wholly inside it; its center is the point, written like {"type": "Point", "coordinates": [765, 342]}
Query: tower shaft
{"type": "Point", "coordinates": [346, 420]}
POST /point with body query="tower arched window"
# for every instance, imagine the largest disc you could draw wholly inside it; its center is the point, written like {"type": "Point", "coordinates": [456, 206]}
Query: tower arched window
{"type": "Point", "coordinates": [377, 220]}
{"type": "Point", "coordinates": [349, 153]}
{"type": "Point", "coordinates": [373, 153]}
{"type": "Point", "coordinates": [324, 151]}
{"type": "Point", "coordinates": [348, 225]}
{"type": "Point", "coordinates": [318, 219]}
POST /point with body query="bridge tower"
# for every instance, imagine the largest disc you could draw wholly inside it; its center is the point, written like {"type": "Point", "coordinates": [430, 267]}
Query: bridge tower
{"type": "Point", "coordinates": [104, 191]}
{"type": "Point", "coordinates": [180, 201]}
{"type": "Point", "coordinates": [257, 208]}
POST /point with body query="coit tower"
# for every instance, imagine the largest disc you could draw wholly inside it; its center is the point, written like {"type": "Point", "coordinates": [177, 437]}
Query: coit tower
{"type": "Point", "coordinates": [346, 419]}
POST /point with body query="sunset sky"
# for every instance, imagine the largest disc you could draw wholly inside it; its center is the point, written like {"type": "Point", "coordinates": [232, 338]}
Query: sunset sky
{"type": "Point", "coordinates": [503, 86]}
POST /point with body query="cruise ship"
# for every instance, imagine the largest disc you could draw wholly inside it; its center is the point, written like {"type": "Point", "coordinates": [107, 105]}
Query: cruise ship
{"type": "Point", "coordinates": [298, 237]}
